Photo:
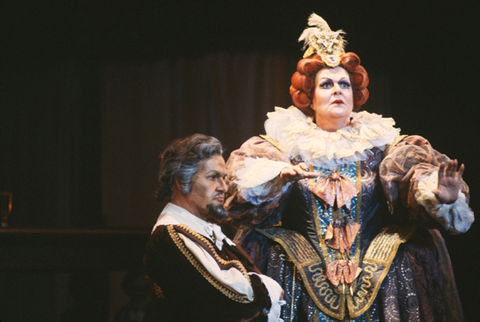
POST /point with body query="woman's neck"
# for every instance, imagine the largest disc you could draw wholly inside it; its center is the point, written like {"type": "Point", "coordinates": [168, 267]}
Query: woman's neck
{"type": "Point", "coordinates": [332, 125]}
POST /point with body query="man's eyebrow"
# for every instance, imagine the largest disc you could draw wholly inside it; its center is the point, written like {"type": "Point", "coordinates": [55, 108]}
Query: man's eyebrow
{"type": "Point", "coordinates": [216, 172]}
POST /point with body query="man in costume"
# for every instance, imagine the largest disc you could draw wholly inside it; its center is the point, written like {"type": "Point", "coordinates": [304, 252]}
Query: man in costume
{"type": "Point", "coordinates": [199, 274]}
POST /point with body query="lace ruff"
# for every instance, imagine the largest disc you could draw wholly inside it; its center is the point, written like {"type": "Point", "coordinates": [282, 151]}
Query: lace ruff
{"type": "Point", "coordinates": [301, 139]}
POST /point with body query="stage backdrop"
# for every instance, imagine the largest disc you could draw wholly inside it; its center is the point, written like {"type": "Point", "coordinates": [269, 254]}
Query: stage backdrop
{"type": "Point", "coordinates": [144, 107]}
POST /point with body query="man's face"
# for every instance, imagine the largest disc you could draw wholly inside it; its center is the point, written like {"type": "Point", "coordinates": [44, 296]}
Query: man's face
{"type": "Point", "coordinates": [208, 186]}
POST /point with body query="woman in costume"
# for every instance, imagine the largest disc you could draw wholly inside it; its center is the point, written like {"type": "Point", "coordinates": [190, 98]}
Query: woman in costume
{"type": "Point", "coordinates": [342, 210]}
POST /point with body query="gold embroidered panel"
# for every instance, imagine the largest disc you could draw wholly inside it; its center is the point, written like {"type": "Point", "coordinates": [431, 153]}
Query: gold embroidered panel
{"type": "Point", "coordinates": [340, 302]}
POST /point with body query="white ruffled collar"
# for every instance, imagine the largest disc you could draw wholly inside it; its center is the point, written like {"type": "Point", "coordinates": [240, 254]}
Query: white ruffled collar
{"type": "Point", "coordinates": [176, 215]}
{"type": "Point", "coordinates": [301, 139]}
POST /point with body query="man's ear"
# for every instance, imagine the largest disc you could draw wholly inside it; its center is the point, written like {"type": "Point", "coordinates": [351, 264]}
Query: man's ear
{"type": "Point", "coordinates": [178, 186]}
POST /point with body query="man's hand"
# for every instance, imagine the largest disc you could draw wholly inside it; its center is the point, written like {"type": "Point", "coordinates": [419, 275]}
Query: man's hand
{"type": "Point", "coordinates": [449, 181]}
{"type": "Point", "coordinates": [296, 172]}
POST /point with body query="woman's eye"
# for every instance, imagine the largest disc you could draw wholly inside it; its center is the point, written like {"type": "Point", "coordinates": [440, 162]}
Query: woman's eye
{"type": "Point", "coordinates": [345, 85]}
{"type": "Point", "coordinates": [326, 85]}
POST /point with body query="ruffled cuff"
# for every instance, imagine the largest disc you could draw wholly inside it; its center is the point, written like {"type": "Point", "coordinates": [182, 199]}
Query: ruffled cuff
{"type": "Point", "coordinates": [456, 218]}
{"type": "Point", "coordinates": [259, 182]}
{"type": "Point", "coordinates": [275, 294]}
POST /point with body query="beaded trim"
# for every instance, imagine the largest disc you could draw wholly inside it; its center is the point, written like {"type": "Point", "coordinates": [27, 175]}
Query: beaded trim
{"type": "Point", "coordinates": [201, 269]}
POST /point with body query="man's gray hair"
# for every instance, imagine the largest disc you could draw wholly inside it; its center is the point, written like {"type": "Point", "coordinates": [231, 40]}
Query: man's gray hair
{"type": "Point", "coordinates": [180, 161]}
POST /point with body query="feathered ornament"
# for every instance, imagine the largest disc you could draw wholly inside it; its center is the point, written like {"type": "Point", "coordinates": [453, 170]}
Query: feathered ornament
{"type": "Point", "coordinates": [321, 40]}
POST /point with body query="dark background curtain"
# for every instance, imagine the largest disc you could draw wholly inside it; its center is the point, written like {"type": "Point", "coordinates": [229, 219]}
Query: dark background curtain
{"type": "Point", "coordinates": [92, 91]}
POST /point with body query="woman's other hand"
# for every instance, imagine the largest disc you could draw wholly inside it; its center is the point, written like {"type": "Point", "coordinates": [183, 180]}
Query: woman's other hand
{"type": "Point", "coordinates": [297, 172]}
{"type": "Point", "coordinates": [449, 181]}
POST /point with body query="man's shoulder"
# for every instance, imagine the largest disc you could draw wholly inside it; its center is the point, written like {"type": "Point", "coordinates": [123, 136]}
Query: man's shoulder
{"type": "Point", "coordinates": [161, 230]}
{"type": "Point", "coordinates": [160, 235]}
{"type": "Point", "coordinates": [167, 241]}
{"type": "Point", "coordinates": [174, 228]}
{"type": "Point", "coordinates": [175, 233]}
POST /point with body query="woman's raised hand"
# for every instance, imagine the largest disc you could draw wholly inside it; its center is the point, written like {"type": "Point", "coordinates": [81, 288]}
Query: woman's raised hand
{"type": "Point", "coordinates": [449, 181]}
{"type": "Point", "coordinates": [297, 172]}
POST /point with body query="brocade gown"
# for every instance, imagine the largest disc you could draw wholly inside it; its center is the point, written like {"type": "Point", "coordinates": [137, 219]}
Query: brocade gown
{"type": "Point", "coordinates": [360, 242]}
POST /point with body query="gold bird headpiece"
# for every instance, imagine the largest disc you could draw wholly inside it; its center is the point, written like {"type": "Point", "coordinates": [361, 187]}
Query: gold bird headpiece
{"type": "Point", "coordinates": [321, 40]}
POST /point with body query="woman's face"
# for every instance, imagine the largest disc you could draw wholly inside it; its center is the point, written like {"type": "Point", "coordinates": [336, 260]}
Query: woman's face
{"type": "Point", "coordinates": [332, 98]}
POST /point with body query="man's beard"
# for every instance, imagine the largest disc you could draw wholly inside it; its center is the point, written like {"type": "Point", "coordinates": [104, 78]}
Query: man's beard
{"type": "Point", "coordinates": [217, 214]}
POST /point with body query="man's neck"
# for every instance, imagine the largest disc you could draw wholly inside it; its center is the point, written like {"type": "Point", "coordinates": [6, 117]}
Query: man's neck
{"type": "Point", "coordinates": [180, 201]}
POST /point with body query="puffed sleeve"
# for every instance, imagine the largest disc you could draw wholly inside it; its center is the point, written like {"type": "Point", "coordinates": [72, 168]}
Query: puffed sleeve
{"type": "Point", "coordinates": [409, 173]}
{"type": "Point", "coordinates": [255, 188]}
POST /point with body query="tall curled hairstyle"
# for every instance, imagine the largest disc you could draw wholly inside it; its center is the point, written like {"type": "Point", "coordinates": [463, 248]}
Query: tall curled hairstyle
{"type": "Point", "coordinates": [181, 159]}
{"type": "Point", "coordinates": [303, 80]}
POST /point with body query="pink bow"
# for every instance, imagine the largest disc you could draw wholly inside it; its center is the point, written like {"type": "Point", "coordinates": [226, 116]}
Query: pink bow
{"type": "Point", "coordinates": [342, 272]}
{"type": "Point", "coordinates": [341, 234]}
{"type": "Point", "coordinates": [335, 187]}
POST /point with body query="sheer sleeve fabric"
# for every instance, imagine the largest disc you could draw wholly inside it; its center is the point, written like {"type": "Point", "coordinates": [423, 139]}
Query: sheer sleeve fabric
{"type": "Point", "coordinates": [255, 188]}
{"type": "Point", "coordinates": [409, 173]}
